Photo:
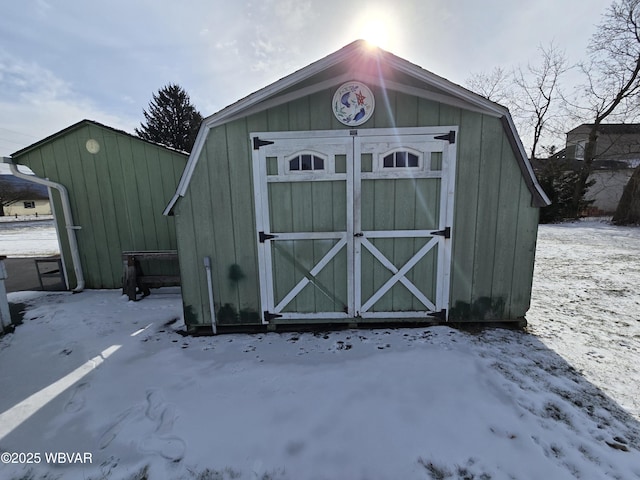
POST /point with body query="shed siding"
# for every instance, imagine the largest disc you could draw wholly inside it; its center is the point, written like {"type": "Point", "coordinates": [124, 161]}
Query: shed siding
{"type": "Point", "coordinates": [487, 208]}
{"type": "Point", "coordinates": [466, 211]}
{"type": "Point", "coordinates": [493, 222]}
{"type": "Point", "coordinates": [117, 197]}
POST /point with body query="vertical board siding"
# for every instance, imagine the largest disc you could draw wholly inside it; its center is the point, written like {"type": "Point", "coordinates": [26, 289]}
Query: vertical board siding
{"type": "Point", "coordinates": [117, 202]}
{"type": "Point", "coordinates": [320, 115]}
{"type": "Point", "coordinates": [493, 231]}
{"type": "Point", "coordinates": [245, 272]}
{"type": "Point", "coordinates": [299, 114]}
{"type": "Point", "coordinates": [220, 235]}
{"type": "Point", "coordinates": [407, 111]}
{"type": "Point", "coordinates": [194, 285]}
{"type": "Point", "coordinates": [303, 222]}
{"type": "Point", "coordinates": [384, 115]}
{"type": "Point", "coordinates": [155, 195]}
{"type": "Point", "coordinates": [117, 197]}
{"type": "Point", "coordinates": [507, 226]}
{"type": "Point", "coordinates": [487, 206]}
{"type": "Point", "coordinates": [131, 194]}
{"type": "Point", "coordinates": [201, 208]}
{"type": "Point", "coordinates": [142, 175]}
{"type": "Point", "coordinates": [81, 207]}
{"type": "Point", "coordinates": [465, 205]}
{"type": "Point", "coordinates": [220, 210]}
{"type": "Point", "coordinates": [525, 254]}
{"type": "Point", "coordinates": [428, 112]}
{"type": "Point", "coordinates": [104, 215]}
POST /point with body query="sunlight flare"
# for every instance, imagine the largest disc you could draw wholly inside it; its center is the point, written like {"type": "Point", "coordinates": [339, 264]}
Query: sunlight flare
{"type": "Point", "coordinates": [377, 30]}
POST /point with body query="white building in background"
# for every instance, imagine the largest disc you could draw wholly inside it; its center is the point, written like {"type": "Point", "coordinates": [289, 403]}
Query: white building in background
{"type": "Point", "coordinates": [34, 204]}
{"type": "Point", "coordinates": [29, 207]}
{"type": "Point", "coordinates": [617, 155]}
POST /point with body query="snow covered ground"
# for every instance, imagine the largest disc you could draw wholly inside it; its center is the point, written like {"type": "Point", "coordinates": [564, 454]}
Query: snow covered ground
{"type": "Point", "coordinates": [28, 237]}
{"type": "Point", "coordinates": [112, 385]}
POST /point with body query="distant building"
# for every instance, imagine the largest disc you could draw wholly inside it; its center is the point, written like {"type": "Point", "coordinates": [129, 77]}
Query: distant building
{"type": "Point", "coordinates": [36, 201]}
{"type": "Point", "coordinates": [617, 155]}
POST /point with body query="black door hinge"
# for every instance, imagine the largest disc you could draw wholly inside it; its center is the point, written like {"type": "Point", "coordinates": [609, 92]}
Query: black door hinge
{"type": "Point", "coordinates": [446, 232]}
{"type": "Point", "coordinates": [257, 143]}
{"type": "Point", "coordinates": [450, 137]}
{"type": "Point", "coordinates": [441, 315]}
{"type": "Point", "coordinates": [265, 236]}
{"type": "Point", "coordinates": [268, 316]}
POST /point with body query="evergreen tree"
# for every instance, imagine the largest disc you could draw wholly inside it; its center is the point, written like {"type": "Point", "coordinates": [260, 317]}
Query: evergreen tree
{"type": "Point", "coordinates": [171, 119]}
{"type": "Point", "coordinates": [628, 211]}
{"type": "Point", "coordinates": [558, 179]}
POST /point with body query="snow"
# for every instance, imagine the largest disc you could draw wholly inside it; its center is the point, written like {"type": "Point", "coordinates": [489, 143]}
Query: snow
{"type": "Point", "coordinates": [93, 373]}
{"type": "Point", "coordinates": [28, 237]}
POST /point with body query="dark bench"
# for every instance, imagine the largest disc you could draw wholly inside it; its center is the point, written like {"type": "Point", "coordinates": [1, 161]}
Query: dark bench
{"type": "Point", "coordinates": [136, 281]}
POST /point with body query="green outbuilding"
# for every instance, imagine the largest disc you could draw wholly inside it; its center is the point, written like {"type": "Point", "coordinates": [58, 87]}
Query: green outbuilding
{"type": "Point", "coordinates": [117, 186]}
{"type": "Point", "coordinates": [359, 190]}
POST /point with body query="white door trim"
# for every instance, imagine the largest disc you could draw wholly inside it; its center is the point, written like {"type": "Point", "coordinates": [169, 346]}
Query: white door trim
{"type": "Point", "coordinates": [354, 239]}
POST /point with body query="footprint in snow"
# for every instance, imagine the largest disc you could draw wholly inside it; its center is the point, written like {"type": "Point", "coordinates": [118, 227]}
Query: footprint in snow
{"type": "Point", "coordinates": [170, 447]}
{"type": "Point", "coordinates": [155, 405]}
{"type": "Point", "coordinates": [162, 416]}
{"type": "Point", "coordinates": [114, 429]}
{"type": "Point", "coordinates": [76, 401]}
{"type": "Point", "coordinates": [167, 419]}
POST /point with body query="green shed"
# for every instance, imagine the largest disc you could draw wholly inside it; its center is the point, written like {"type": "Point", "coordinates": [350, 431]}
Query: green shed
{"type": "Point", "coordinates": [360, 189]}
{"type": "Point", "coordinates": [118, 186]}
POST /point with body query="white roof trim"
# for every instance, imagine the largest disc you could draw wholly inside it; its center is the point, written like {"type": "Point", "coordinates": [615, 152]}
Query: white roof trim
{"type": "Point", "coordinates": [544, 198]}
{"type": "Point", "coordinates": [271, 96]}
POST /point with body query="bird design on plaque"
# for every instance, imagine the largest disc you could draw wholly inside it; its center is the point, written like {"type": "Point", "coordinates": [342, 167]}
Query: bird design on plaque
{"type": "Point", "coordinates": [353, 104]}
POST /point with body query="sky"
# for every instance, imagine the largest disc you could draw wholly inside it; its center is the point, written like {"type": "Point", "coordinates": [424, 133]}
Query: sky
{"type": "Point", "coordinates": [64, 61]}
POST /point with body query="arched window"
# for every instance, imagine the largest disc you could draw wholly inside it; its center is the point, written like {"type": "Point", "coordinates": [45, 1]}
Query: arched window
{"type": "Point", "coordinates": [401, 159]}
{"type": "Point", "coordinates": [306, 162]}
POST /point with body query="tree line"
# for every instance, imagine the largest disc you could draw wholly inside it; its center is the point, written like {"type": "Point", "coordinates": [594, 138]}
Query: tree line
{"type": "Point", "coordinates": [543, 108]}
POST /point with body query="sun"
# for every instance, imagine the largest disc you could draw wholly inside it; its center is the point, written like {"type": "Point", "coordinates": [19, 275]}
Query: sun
{"type": "Point", "coordinates": [376, 32]}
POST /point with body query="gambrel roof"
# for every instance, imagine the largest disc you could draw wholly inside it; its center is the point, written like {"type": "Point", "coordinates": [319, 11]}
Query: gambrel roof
{"type": "Point", "coordinates": [374, 66]}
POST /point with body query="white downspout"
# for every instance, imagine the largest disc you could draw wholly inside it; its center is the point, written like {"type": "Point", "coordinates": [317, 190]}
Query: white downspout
{"type": "Point", "coordinates": [212, 310]}
{"type": "Point", "coordinates": [68, 218]}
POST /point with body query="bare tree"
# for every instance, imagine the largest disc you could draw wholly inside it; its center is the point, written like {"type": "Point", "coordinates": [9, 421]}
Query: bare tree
{"type": "Point", "coordinates": [612, 80]}
{"type": "Point", "coordinates": [494, 85]}
{"type": "Point", "coordinates": [530, 93]}
{"type": "Point", "coordinates": [537, 92]}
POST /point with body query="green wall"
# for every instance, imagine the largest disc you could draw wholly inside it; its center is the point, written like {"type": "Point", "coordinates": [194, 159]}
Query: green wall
{"type": "Point", "coordinates": [117, 196]}
{"type": "Point", "coordinates": [494, 229]}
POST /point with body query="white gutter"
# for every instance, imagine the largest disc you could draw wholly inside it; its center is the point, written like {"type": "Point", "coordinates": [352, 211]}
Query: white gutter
{"type": "Point", "coordinates": [68, 218]}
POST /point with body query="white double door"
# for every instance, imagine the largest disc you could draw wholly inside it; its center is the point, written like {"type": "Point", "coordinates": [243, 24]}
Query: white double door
{"type": "Point", "coordinates": [354, 224]}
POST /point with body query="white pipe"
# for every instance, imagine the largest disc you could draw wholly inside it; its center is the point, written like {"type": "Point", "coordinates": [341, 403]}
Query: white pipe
{"type": "Point", "coordinates": [5, 313]}
{"type": "Point", "coordinates": [207, 266]}
{"type": "Point", "coordinates": [68, 219]}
